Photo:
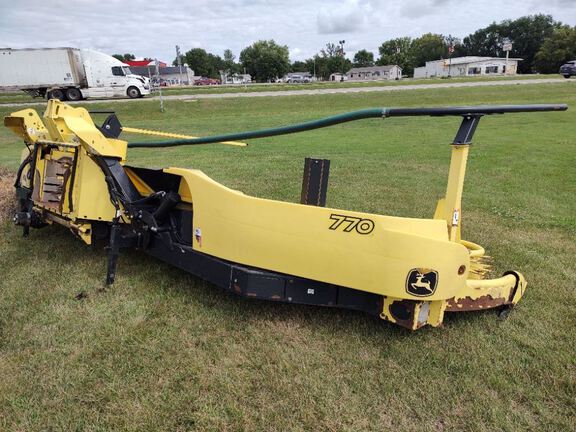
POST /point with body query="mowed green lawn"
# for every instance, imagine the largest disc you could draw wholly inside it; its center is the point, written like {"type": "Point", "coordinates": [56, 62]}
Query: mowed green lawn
{"type": "Point", "coordinates": [162, 350]}
{"type": "Point", "coordinates": [258, 87]}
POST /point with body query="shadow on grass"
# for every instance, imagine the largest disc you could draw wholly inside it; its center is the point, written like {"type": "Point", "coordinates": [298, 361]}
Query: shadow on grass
{"type": "Point", "coordinates": [144, 275]}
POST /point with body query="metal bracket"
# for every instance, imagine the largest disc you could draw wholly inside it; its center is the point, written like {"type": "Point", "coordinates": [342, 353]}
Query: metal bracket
{"type": "Point", "coordinates": [111, 128]}
{"type": "Point", "coordinates": [467, 129]}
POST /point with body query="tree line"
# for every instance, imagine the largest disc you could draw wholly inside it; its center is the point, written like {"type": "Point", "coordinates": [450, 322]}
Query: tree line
{"type": "Point", "coordinates": [543, 44]}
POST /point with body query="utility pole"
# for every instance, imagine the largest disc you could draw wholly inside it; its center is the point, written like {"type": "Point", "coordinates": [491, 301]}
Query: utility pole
{"type": "Point", "coordinates": [450, 52]}
{"type": "Point", "coordinates": [157, 63]}
{"type": "Point", "coordinates": [179, 60]}
{"type": "Point", "coordinates": [342, 42]}
{"type": "Point", "coordinates": [314, 68]}
{"type": "Point", "coordinates": [507, 46]}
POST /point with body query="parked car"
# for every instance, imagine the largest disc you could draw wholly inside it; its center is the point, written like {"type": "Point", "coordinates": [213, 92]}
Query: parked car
{"type": "Point", "coordinates": [568, 69]}
{"type": "Point", "coordinates": [298, 79]}
{"type": "Point", "coordinates": [206, 81]}
{"type": "Point", "coordinates": [161, 83]}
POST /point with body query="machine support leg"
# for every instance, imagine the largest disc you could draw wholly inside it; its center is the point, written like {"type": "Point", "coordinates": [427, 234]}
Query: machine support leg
{"type": "Point", "coordinates": [113, 253]}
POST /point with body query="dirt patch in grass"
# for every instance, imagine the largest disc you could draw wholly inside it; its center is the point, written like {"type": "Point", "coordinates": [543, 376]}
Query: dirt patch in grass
{"type": "Point", "coordinates": [7, 195]}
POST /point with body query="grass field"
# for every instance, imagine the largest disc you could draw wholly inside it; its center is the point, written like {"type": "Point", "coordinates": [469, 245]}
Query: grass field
{"type": "Point", "coordinates": [256, 87]}
{"type": "Point", "coordinates": [162, 350]}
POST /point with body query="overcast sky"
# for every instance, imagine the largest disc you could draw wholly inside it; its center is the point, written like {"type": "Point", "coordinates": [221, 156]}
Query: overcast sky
{"type": "Point", "coordinates": [152, 28]}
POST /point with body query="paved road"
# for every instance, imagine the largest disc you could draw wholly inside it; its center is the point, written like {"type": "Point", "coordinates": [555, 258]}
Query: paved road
{"type": "Point", "coordinates": [325, 91]}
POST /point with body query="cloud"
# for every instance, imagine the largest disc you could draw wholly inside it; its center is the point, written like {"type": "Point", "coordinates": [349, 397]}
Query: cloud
{"type": "Point", "coordinates": [152, 29]}
{"type": "Point", "coordinates": [295, 52]}
{"type": "Point", "coordinates": [569, 4]}
{"type": "Point", "coordinates": [422, 8]}
{"type": "Point", "coordinates": [347, 18]}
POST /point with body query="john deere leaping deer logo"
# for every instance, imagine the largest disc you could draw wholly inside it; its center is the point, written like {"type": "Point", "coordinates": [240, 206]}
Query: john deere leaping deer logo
{"type": "Point", "coordinates": [421, 282]}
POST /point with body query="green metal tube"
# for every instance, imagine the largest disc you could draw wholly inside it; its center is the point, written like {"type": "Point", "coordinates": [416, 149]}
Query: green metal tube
{"type": "Point", "coordinates": [262, 133]}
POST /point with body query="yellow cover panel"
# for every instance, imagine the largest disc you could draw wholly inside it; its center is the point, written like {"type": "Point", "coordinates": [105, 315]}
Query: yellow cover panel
{"type": "Point", "coordinates": [298, 240]}
{"type": "Point", "coordinates": [91, 198]}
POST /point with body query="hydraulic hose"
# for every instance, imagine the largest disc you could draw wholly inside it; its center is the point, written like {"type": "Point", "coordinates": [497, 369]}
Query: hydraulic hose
{"type": "Point", "coordinates": [352, 116]}
{"type": "Point", "coordinates": [262, 133]}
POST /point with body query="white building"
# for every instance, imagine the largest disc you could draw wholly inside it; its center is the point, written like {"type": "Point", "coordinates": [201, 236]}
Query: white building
{"type": "Point", "coordinates": [172, 75]}
{"type": "Point", "coordinates": [337, 76]}
{"type": "Point", "coordinates": [374, 73]}
{"type": "Point", "coordinates": [467, 66]}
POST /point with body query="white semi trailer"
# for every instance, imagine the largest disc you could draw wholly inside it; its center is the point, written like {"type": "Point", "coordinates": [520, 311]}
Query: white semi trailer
{"type": "Point", "coordinates": [68, 74]}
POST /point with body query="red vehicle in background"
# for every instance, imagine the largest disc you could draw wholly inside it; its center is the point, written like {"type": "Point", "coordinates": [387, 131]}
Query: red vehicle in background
{"type": "Point", "coordinates": [206, 81]}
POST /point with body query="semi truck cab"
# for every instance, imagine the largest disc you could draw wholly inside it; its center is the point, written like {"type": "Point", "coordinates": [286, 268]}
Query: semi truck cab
{"type": "Point", "coordinates": [107, 76]}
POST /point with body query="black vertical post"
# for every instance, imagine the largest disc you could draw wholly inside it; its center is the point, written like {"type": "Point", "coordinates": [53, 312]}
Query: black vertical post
{"type": "Point", "coordinates": [315, 182]}
{"type": "Point", "coordinates": [113, 253]}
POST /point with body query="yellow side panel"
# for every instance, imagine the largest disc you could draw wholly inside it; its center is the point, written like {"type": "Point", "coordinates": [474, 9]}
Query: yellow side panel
{"type": "Point", "coordinates": [298, 240]}
{"type": "Point", "coordinates": [91, 199]}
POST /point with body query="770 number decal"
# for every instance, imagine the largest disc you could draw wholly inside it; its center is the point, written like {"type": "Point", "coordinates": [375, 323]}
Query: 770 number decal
{"type": "Point", "coordinates": [349, 224]}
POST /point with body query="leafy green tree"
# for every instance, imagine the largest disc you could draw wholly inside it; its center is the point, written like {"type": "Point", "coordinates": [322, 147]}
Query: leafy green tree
{"type": "Point", "coordinates": [182, 59]}
{"type": "Point", "coordinates": [299, 66]}
{"type": "Point", "coordinates": [527, 35]}
{"type": "Point", "coordinates": [428, 47]}
{"type": "Point", "coordinates": [308, 65]}
{"type": "Point", "coordinates": [204, 63]}
{"type": "Point", "coordinates": [124, 57]}
{"type": "Point", "coordinates": [484, 42]}
{"type": "Point", "coordinates": [363, 58]}
{"type": "Point", "coordinates": [311, 66]}
{"type": "Point", "coordinates": [228, 63]}
{"type": "Point", "coordinates": [229, 56]}
{"type": "Point", "coordinates": [397, 52]}
{"type": "Point", "coordinates": [322, 69]}
{"type": "Point", "coordinates": [331, 50]}
{"type": "Point", "coordinates": [216, 65]}
{"type": "Point", "coordinates": [197, 60]}
{"type": "Point", "coordinates": [330, 60]}
{"type": "Point", "coordinates": [556, 50]}
{"type": "Point", "coordinates": [265, 60]}
{"type": "Point", "coordinates": [324, 64]}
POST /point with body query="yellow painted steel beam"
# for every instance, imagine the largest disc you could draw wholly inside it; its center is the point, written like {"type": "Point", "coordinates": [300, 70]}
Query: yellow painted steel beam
{"type": "Point", "coordinates": [453, 203]}
{"type": "Point", "coordinates": [174, 135]}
